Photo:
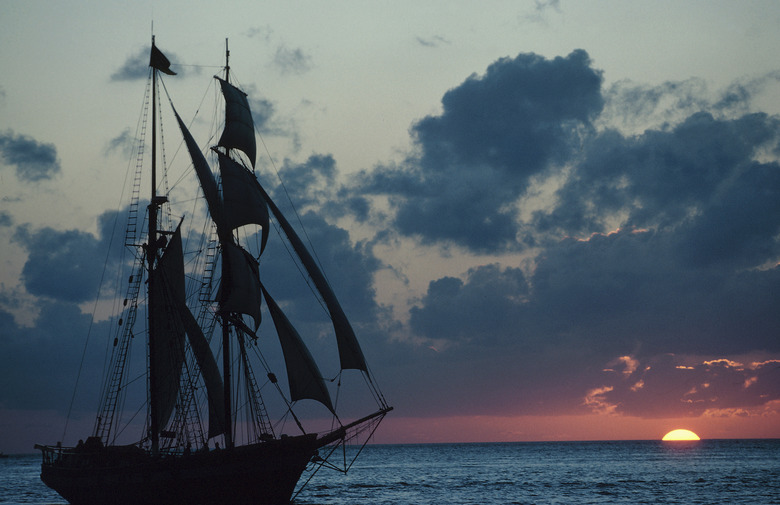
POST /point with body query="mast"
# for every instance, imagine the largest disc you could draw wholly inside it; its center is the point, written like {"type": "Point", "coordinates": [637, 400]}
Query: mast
{"type": "Point", "coordinates": [151, 254]}
{"type": "Point", "coordinates": [226, 329]}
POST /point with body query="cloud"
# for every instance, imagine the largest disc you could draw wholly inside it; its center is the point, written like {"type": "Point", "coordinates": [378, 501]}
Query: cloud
{"type": "Point", "coordinates": [434, 41]}
{"type": "Point", "coordinates": [65, 265]}
{"type": "Point", "coordinates": [267, 120]}
{"type": "Point", "coordinates": [634, 107]}
{"type": "Point", "coordinates": [60, 265]}
{"type": "Point", "coordinates": [664, 178]}
{"type": "Point", "coordinates": [655, 231]}
{"type": "Point", "coordinates": [679, 386]}
{"type": "Point", "coordinates": [349, 266]}
{"type": "Point", "coordinates": [541, 9]}
{"type": "Point", "coordinates": [34, 161]}
{"type": "Point", "coordinates": [286, 60]}
{"type": "Point", "coordinates": [448, 311]}
{"type": "Point", "coordinates": [124, 143]}
{"type": "Point", "coordinates": [263, 33]}
{"type": "Point", "coordinates": [39, 363]}
{"type": "Point", "coordinates": [477, 159]}
{"type": "Point", "coordinates": [6, 219]}
{"type": "Point", "coordinates": [291, 61]}
{"type": "Point", "coordinates": [599, 243]}
{"type": "Point", "coordinates": [310, 182]}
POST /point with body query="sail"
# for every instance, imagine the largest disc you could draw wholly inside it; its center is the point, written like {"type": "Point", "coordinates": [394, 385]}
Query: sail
{"type": "Point", "coordinates": [303, 374]}
{"type": "Point", "coordinates": [209, 370]}
{"type": "Point", "coordinates": [240, 290]}
{"type": "Point", "coordinates": [168, 347]}
{"type": "Point", "coordinates": [239, 130]}
{"type": "Point", "coordinates": [242, 202]}
{"type": "Point", "coordinates": [205, 176]}
{"type": "Point", "coordinates": [350, 354]}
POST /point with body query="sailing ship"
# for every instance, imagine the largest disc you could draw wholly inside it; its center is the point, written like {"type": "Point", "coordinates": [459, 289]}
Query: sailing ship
{"type": "Point", "coordinates": [192, 403]}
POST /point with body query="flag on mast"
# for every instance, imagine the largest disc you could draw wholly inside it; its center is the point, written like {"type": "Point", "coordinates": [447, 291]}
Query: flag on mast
{"type": "Point", "coordinates": [159, 61]}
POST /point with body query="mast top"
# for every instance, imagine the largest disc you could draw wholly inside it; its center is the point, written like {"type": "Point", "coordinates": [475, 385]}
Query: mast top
{"type": "Point", "coordinates": [227, 61]}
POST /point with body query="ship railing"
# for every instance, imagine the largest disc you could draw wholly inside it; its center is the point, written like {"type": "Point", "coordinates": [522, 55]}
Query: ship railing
{"type": "Point", "coordinates": [52, 453]}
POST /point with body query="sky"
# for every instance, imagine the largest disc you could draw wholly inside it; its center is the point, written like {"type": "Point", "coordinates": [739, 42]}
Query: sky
{"type": "Point", "coordinates": [548, 220]}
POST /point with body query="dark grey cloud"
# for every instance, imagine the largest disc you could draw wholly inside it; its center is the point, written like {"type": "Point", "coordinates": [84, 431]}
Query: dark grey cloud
{"type": "Point", "coordinates": [448, 310]}
{"type": "Point", "coordinates": [544, 340]}
{"type": "Point", "coordinates": [663, 177]}
{"type": "Point", "coordinates": [34, 161]}
{"type": "Point", "coordinates": [660, 245]}
{"type": "Point", "coordinates": [60, 265]}
{"type": "Point", "coordinates": [6, 219]}
{"type": "Point", "coordinates": [39, 363]}
{"type": "Point", "coordinates": [310, 182]}
{"type": "Point", "coordinates": [66, 265]}
{"type": "Point", "coordinates": [692, 270]}
{"type": "Point", "coordinates": [522, 114]}
{"type": "Point", "coordinates": [496, 132]}
{"type": "Point", "coordinates": [349, 267]}
{"type": "Point", "coordinates": [631, 292]}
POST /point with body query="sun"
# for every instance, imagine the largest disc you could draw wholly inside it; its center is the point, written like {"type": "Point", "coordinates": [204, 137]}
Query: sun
{"type": "Point", "coordinates": [681, 435]}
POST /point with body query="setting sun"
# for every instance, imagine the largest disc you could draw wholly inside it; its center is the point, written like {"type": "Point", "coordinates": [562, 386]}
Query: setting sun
{"type": "Point", "coordinates": [681, 435]}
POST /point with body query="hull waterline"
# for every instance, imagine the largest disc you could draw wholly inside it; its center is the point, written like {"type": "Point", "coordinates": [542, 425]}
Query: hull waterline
{"type": "Point", "coordinates": [261, 474]}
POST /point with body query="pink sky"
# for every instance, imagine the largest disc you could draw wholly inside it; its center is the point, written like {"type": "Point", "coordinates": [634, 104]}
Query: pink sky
{"type": "Point", "coordinates": [570, 428]}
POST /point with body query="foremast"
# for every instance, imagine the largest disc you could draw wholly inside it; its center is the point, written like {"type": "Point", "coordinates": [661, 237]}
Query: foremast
{"type": "Point", "coordinates": [226, 366]}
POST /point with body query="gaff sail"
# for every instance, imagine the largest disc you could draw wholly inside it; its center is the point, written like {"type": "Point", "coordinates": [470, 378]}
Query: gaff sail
{"type": "Point", "coordinates": [167, 294]}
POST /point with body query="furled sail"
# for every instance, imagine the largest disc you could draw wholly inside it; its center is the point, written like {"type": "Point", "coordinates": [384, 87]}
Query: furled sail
{"type": "Point", "coordinates": [167, 294]}
{"type": "Point", "coordinates": [242, 202]}
{"type": "Point", "coordinates": [303, 374]}
{"type": "Point", "coordinates": [239, 130]}
{"type": "Point", "coordinates": [209, 370]}
{"type": "Point", "coordinates": [240, 290]}
{"type": "Point", "coordinates": [350, 354]}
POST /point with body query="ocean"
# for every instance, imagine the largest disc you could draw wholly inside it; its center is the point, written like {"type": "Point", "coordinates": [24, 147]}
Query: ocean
{"type": "Point", "coordinates": [704, 472]}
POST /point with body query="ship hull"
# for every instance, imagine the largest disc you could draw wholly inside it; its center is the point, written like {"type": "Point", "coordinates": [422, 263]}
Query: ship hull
{"type": "Point", "coordinates": [259, 474]}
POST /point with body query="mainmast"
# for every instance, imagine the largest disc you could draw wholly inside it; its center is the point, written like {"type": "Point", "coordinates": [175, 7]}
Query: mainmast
{"type": "Point", "coordinates": [151, 253]}
{"type": "Point", "coordinates": [226, 328]}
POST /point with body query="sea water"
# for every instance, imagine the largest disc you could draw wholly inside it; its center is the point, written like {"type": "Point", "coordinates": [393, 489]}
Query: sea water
{"type": "Point", "coordinates": [704, 472]}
